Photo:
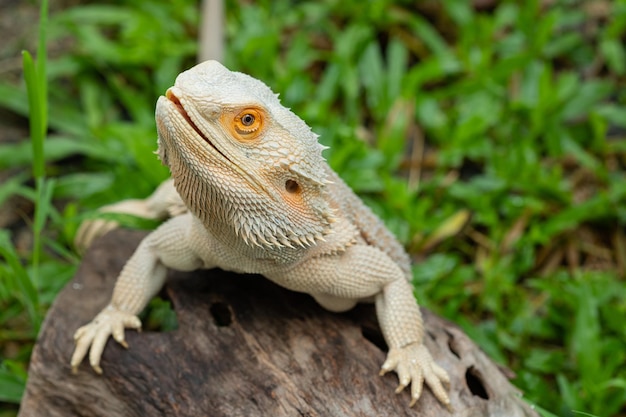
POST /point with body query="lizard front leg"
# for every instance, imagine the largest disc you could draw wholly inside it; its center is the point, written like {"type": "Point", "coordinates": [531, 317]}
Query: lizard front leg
{"type": "Point", "coordinates": [363, 272]}
{"type": "Point", "coordinates": [401, 322]}
{"type": "Point", "coordinates": [141, 278]}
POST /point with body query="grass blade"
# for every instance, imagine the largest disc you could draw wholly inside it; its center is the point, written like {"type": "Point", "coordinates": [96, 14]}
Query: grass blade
{"type": "Point", "coordinates": [35, 113]}
{"type": "Point", "coordinates": [18, 280]}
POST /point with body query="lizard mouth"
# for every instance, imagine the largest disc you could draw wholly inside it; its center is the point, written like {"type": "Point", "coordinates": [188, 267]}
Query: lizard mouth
{"type": "Point", "coordinates": [169, 94]}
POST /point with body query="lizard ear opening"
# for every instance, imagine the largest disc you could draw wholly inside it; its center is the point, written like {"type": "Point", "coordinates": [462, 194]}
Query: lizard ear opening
{"type": "Point", "coordinates": [292, 187]}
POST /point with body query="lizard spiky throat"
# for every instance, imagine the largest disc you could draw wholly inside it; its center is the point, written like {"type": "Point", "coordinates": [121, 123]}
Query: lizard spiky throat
{"type": "Point", "coordinates": [256, 167]}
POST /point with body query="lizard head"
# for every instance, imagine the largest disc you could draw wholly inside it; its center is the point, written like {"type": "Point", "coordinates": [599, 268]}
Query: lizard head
{"type": "Point", "coordinates": [239, 157]}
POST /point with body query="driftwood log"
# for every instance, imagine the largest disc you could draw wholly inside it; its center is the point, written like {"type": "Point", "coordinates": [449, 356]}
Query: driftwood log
{"type": "Point", "coordinates": [244, 347]}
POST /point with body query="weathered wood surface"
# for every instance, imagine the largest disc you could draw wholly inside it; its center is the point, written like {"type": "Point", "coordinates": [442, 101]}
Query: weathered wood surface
{"type": "Point", "coordinates": [244, 347]}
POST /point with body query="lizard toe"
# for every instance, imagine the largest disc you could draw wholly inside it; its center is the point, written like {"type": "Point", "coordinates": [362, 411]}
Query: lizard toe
{"type": "Point", "coordinates": [94, 336]}
{"type": "Point", "coordinates": [414, 365]}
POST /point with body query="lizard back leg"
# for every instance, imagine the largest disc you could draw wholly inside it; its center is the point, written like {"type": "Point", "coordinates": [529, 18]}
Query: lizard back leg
{"type": "Point", "coordinates": [163, 203]}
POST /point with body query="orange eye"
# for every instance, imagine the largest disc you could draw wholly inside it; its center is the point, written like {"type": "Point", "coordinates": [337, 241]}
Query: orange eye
{"type": "Point", "coordinates": [248, 123]}
{"type": "Point", "coordinates": [244, 125]}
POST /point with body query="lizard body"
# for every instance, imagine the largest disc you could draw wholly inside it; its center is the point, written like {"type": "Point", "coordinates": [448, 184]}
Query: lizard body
{"type": "Point", "coordinates": [253, 194]}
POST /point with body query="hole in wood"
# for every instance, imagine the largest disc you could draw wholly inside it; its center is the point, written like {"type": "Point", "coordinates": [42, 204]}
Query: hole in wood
{"type": "Point", "coordinates": [475, 383]}
{"type": "Point", "coordinates": [374, 336]}
{"type": "Point", "coordinates": [221, 314]}
{"type": "Point", "coordinates": [452, 345]}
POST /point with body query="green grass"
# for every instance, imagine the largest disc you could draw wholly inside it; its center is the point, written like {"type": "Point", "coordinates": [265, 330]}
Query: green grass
{"type": "Point", "coordinates": [492, 142]}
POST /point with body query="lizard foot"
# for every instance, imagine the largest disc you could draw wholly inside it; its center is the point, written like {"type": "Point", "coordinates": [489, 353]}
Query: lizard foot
{"type": "Point", "coordinates": [110, 321]}
{"type": "Point", "coordinates": [414, 365]}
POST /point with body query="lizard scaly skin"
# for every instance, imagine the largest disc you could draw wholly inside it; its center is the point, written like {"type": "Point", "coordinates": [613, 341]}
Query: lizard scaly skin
{"type": "Point", "coordinates": [262, 199]}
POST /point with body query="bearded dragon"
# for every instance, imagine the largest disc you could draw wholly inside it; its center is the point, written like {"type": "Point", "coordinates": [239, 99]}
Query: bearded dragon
{"type": "Point", "coordinates": [252, 193]}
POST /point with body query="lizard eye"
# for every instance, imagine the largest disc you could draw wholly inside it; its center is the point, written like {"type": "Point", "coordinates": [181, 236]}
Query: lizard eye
{"type": "Point", "coordinates": [247, 119]}
{"type": "Point", "coordinates": [248, 123]}
{"type": "Point", "coordinates": [244, 124]}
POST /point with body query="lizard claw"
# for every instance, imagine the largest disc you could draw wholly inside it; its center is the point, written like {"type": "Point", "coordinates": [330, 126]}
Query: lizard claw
{"type": "Point", "coordinates": [414, 365]}
{"type": "Point", "coordinates": [93, 336]}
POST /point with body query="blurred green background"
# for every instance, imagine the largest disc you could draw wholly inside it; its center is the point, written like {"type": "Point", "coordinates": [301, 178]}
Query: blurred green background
{"type": "Point", "coordinates": [489, 135]}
